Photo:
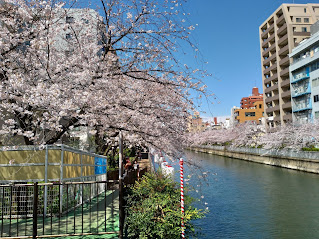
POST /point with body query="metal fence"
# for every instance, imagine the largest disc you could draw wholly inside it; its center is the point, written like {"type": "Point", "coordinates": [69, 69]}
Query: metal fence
{"type": "Point", "coordinates": [49, 163]}
{"type": "Point", "coordinates": [71, 208]}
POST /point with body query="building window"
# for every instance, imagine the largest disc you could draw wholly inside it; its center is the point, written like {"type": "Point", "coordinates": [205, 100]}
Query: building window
{"type": "Point", "coordinates": [259, 106]}
{"type": "Point", "coordinates": [306, 20]}
{"type": "Point", "coordinates": [250, 114]}
{"type": "Point", "coordinates": [315, 82]}
{"type": "Point", "coordinates": [314, 66]}
{"type": "Point", "coordinates": [316, 98]}
{"type": "Point", "coordinates": [305, 10]}
{"type": "Point", "coordinates": [317, 114]}
{"type": "Point", "coordinates": [304, 29]}
{"type": "Point", "coordinates": [69, 19]}
{"type": "Point", "coordinates": [298, 19]}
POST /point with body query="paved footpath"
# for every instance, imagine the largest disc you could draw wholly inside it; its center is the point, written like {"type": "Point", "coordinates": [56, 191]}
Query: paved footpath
{"type": "Point", "coordinates": [94, 220]}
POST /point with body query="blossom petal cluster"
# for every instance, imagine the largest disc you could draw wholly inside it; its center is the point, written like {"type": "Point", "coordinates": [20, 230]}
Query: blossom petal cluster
{"type": "Point", "coordinates": [116, 70]}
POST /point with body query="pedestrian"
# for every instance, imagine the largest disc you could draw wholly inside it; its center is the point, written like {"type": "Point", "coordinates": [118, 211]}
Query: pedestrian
{"type": "Point", "coordinates": [128, 164]}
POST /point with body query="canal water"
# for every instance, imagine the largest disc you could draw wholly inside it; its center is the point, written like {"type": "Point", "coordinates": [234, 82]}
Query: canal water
{"type": "Point", "coordinates": [250, 200]}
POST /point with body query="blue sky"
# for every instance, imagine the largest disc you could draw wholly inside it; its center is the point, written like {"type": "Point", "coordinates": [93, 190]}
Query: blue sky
{"type": "Point", "coordinates": [228, 38]}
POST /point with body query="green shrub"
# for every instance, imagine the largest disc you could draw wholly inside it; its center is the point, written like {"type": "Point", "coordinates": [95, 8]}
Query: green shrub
{"type": "Point", "coordinates": [153, 209]}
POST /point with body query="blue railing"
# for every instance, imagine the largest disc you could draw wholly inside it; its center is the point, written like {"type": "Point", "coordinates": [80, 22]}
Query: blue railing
{"type": "Point", "coordinates": [302, 107]}
{"type": "Point", "coordinates": [300, 77]}
{"type": "Point", "coordinates": [301, 90]}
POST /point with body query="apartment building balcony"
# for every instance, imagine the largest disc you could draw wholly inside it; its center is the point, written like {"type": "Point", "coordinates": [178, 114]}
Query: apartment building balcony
{"type": "Point", "coordinates": [282, 30]}
{"type": "Point", "coordinates": [269, 110]}
{"type": "Point", "coordinates": [300, 91]}
{"type": "Point", "coordinates": [277, 118]}
{"type": "Point", "coordinates": [303, 34]}
{"type": "Point", "coordinates": [264, 27]}
{"type": "Point", "coordinates": [284, 61]}
{"type": "Point", "coordinates": [273, 98]}
{"type": "Point", "coordinates": [285, 83]}
{"type": "Point", "coordinates": [269, 118]}
{"type": "Point", "coordinates": [284, 50]}
{"type": "Point", "coordinates": [270, 68]}
{"type": "Point", "coordinates": [286, 94]}
{"type": "Point", "coordinates": [269, 89]}
{"type": "Point", "coordinates": [287, 105]}
{"type": "Point", "coordinates": [287, 117]}
{"type": "Point", "coordinates": [300, 77]}
{"type": "Point", "coordinates": [266, 61]}
{"type": "Point", "coordinates": [302, 107]}
{"type": "Point", "coordinates": [283, 40]}
{"type": "Point", "coordinates": [272, 109]}
{"type": "Point", "coordinates": [272, 47]}
{"type": "Point", "coordinates": [280, 20]}
{"type": "Point", "coordinates": [269, 39]}
{"type": "Point", "coordinates": [276, 108]}
{"type": "Point", "coordinates": [263, 35]}
{"type": "Point", "coordinates": [305, 57]}
{"type": "Point", "coordinates": [285, 72]}
{"type": "Point", "coordinates": [269, 79]}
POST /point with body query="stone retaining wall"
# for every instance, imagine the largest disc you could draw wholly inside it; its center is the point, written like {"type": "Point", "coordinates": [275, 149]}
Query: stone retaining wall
{"type": "Point", "coordinates": [303, 164]}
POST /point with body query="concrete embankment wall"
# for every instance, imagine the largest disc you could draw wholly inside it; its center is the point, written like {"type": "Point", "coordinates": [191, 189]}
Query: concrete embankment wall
{"type": "Point", "coordinates": [303, 161]}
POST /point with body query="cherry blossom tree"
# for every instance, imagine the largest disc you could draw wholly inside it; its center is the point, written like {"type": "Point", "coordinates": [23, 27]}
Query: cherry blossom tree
{"type": "Point", "coordinates": [118, 71]}
{"type": "Point", "coordinates": [290, 136]}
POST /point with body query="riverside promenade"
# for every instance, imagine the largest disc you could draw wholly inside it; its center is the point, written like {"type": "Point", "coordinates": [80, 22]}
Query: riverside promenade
{"type": "Point", "coordinates": [100, 215]}
{"type": "Point", "coordinates": [291, 159]}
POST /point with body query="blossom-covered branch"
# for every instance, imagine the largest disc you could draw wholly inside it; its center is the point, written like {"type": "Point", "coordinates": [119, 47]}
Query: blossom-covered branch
{"type": "Point", "coordinates": [116, 71]}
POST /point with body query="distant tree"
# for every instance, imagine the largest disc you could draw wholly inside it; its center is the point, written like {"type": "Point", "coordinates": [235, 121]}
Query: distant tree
{"type": "Point", "coordinates": [288, 136]}
{"type": "Point", "coordinates": [292, 136]}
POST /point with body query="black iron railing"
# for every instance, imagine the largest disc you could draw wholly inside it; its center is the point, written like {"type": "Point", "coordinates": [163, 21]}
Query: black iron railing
{"type": "Point", "coordinates": [72, 208]}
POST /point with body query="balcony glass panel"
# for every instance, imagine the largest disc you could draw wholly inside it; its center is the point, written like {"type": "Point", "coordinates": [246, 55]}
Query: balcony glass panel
{"type": "Point", "coordinates": [302, 104]}
{"type": "Point", "coordinates": [299, 77]}
{"type": "Point", "coordinates": [301, 89]}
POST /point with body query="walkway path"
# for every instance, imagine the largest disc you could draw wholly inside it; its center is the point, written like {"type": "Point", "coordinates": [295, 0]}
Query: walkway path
{"type": "Point", "coordinates": [145, 163]}
{"type": "Point", "coordinates": [101, 215]}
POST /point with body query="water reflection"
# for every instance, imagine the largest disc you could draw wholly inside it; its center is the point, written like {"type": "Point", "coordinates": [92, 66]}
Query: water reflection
{"type": "Point", "coordinates": [250, 200]}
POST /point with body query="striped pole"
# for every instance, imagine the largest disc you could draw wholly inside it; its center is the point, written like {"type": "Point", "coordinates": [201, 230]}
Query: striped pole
{"type": "Point", "coordinates": [182, 196]}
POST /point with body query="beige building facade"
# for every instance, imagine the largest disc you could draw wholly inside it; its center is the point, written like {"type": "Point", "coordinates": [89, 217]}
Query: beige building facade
{"type": "Point", "coordinates": [279, 34]}
{"type": "Point", "coordinates": [195, 123]}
